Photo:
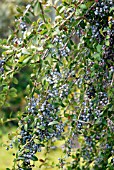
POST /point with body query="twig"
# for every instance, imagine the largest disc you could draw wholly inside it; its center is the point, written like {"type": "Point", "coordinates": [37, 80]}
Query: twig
{"type": "Point", "coordinates": [9, 120]}
{"type": "Point", "coordinates": [42, 11]}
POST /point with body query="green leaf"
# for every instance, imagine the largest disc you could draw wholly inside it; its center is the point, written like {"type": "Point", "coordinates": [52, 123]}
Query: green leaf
{"type": "Point", "coordinates": [53, 123]}
{"type": "Point", "coordinates": [27, 20]}
{"type": "Point", "coordinates": [26, 127]}
{"type": "Point", "coordinates": [36, 8]}
{"type": "Point", "coordinates": [62, 104]}
{"type": "Point", "coordinates": [25, 51]}
{"type": "Point", "coordinates": [13, 90]}
{"type": "Point", "coordinates": [109, 160]}
{"type": "Point", "coordinates": [83, 6]}
{"type": "Point", "coordinates": [13, 95]}
{"type": "Point", "coordinates": [8, 52]}
{"type": "Point", "coordinates": [34, 158]}
{"type": "Point", "coordinates": [56, 2]}
{"type": "Point", "coordinates": [1, 121]}
{"type": "Point", "coordinates": [69, 168]}
{"type": "Point", "coordinates": [41, 127]}
{"type": "Point", "coordinates": [58, 17]}
{"type": "Point", "coordinates": [19, 10]}
{"type": "Point", "coordinates": [15, 81]}
{"type": "Point", "coordinates": [97, 56]}
{"type": "Point", "coordinates": [57, 66]}
{"type": "Point", "coordinates": [62, 9]}
{"type": "Point", "coordinates": [24, 59]}
{"type": "Point", "coordinates": [5, 89]}
{"type": "Point", "coordinates": [107, 43]}
{"type": "Point", "coordinates": [50, 130]}
{"type": "Point", "coordinates": [111, 9]}
{"type": "Point", "coordinates": [20, 158]}
{"type": "Point", "coordinates": [69, 45]}
{"type": "Point", "coordinates": [99, 48]}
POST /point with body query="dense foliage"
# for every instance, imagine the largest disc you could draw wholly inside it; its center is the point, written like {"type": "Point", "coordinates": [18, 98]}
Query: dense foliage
{"type": "Point", "coordinates": [70, 90]}
{"type": "Point", "coordinates": [7, 19]}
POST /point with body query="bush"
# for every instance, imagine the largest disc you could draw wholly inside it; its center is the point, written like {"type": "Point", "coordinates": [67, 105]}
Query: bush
{"type": "Point", "coordinates": [71, 58]}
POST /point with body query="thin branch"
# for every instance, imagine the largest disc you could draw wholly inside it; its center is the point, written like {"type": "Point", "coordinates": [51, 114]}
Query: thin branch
{"type": "Point", "coordinates": [42, 11]}
{"type": "Point", "coordinates": [9, 120]}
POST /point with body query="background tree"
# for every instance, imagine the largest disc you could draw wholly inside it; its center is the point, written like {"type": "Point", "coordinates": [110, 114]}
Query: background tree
{"type": "Point", "coordinates": [7, 19]}
{"type": "Point", "coordinates": [7, 13]}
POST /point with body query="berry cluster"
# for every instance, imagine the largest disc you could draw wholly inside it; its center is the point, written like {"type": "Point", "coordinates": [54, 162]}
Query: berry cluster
{"type": "Point", "coordinates": [100, 11]}
{"type": "Point", "coordinates": [61, 49]}
{"type": "Point", "coordinates": [17, 42]}
{"type": "Point", "coordinates": [47, 125]}
{"type": "Point", "coordinates": [23, 26]}
{"type": "Point", "coordinates": [42, 114]}
{"type": "Point", "coordinates": [1, 66]}
{"type": "Point", "coordinates": [58, 89]}
{"type": "Point", "coordinates": [61, 163]}
{"type": "Point", "coordinates": [93, 121]}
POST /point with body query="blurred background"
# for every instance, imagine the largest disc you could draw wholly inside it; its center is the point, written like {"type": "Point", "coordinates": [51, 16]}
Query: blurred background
{"type": "Point", "coordinates": [7, 15]}
{"type": "Point", "coordinates": [7, 18]}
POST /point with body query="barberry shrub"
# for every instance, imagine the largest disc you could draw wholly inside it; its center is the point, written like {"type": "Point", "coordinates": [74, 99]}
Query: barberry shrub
{"type": "Point", "coordinates": [69, 47]}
